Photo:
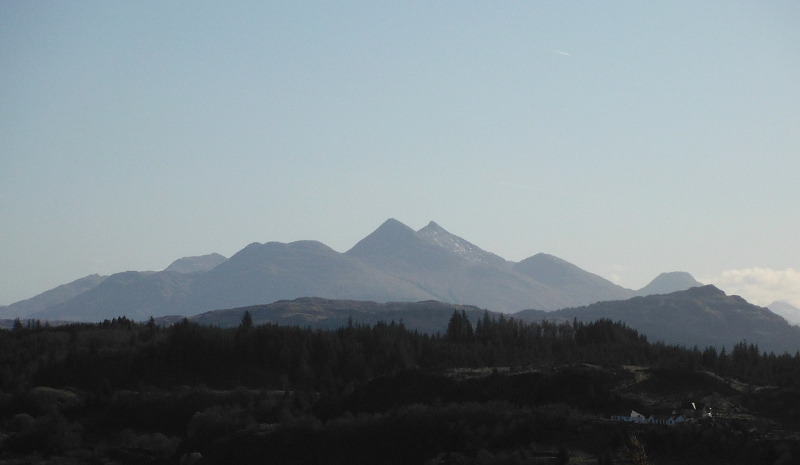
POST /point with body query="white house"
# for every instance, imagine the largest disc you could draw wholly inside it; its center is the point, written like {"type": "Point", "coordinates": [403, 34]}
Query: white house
{"type": "Point", "coordinates": [629, 417]}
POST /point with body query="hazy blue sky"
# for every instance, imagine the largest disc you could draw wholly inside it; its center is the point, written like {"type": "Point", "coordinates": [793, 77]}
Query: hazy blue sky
{"type": "Point", "coordinates": [628, 138]}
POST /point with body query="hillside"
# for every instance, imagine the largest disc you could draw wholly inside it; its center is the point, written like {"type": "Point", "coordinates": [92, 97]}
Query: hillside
{"type": "Point", "coordinates": [28, 307]}
{"type": "Point", "coordinates": [137, 295]}
{"type": "Point", "coordinates": [702, 316]}
{"type": "Point", "coordinates": [264, 273]}
{"type": "Point", "coordinates": [583, 287]}
{"type": "Point", "coordinates": [124, 392]}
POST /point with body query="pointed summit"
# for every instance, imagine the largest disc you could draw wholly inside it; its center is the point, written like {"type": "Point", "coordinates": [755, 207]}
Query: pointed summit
{"type": "Point", "coordinates": [391, 234]}
{"type": "Point", "coordinates": [399, 250]}
{"type": "Point", "coordinates": [450, 268]}
{"type": "Point", "coordinates": [434, 226]}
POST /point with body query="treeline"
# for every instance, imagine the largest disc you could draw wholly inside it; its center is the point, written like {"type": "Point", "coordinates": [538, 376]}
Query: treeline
{"type": "Point", "coordinates": [133, 392]}
{"type": "Point", "coordinates": [122, 354]}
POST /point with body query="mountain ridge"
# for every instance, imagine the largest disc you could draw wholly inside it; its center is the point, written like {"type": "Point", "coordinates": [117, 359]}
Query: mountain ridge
{"type": "Point", "coordinates": [392, 263]}
{"type": "Point", "coordinates": [196, 264]}
{"type": "Point", "coordinates": [57, 295]}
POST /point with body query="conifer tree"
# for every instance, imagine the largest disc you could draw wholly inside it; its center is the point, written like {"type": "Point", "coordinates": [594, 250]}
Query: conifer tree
{"type": "Point", "coordinates": [247, 321]}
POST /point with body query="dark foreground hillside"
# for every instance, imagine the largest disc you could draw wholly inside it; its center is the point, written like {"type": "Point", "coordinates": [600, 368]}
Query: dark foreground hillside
{"type": "Point", "coordinates": [702, 316]}
{"type": "Point", "coordinates": [487, 391]}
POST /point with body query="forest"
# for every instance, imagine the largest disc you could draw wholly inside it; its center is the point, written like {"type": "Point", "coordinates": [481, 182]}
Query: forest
{"type": "Point", "coordinates": [496, 390]}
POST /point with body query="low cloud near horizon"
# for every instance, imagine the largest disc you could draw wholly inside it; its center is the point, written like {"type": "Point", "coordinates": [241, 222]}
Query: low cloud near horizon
{"type": "Point", "coordinates": [760, 286]}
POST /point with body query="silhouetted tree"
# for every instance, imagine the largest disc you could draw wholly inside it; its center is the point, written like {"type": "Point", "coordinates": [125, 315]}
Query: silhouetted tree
{"type": "Point", "coordinates": [459, 329]}
{"type": "Point", "coordinates": [247, 321]}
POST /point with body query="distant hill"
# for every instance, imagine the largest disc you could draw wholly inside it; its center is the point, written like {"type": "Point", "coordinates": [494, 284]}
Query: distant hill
{"type": "Point", "coordinates": [702, 316]}
{"type": "Point", "coordinates": [55, 296]}
{"type": "Point", "coordinates": [427, 316]}
{"type": "Point", "coordinates": [670, 282]}
{"type": "Point", "coordinates": [581, 286]}
{"type": "Point", "coordinates": [202, 263]}
{"type": "Point", "coordinates": [786, 310]}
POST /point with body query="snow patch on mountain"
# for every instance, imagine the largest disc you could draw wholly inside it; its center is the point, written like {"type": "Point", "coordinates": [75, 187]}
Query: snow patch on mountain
{"type": "Point", "coordinates": [435, 234]}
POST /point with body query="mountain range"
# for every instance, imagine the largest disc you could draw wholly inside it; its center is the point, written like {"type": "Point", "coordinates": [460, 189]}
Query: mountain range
{"type": "Point", "coordinates": [394, 263]}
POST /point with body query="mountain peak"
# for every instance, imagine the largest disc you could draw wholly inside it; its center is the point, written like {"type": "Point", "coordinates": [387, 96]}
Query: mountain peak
{"type": "Point", "coordinates": [707, 290]}
{"type": "Point", "coordinates": [393, 225]}
{"type": "Point", "coordinates": [666, 283]}
{"type": "Point", "coordinates": [390, 234]}
{"type": "Point", "coordinates": [433, 226]}
{"type": "Point", "coordinates": [549, 269]}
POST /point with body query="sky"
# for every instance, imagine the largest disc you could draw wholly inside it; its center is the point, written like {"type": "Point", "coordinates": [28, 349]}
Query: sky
{"type": "Point", "coordinates": [628, 138]}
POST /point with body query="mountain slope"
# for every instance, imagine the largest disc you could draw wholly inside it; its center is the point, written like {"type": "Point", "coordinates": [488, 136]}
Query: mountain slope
{"type": "Point", "coordinates": [666, 283]}
{"type": "Point", "coordinates": [702, 316]}
{"type": "Point", "coordinates": [451, 269]}
{"type": "Point", "coordinates": [134, 294]}
{"type": "Point", "coordinates": [55, 296]}
{"type": "Point", "coordinates": [196, 264]}
{"type": "Point", "coordinates": [396, 248]}
{"type": "Point", "coordinates": [580, 286]}
{"type": "Point", "coordinates": [264, 273]}
{"type": "Point", "coordinates": [435, 234]}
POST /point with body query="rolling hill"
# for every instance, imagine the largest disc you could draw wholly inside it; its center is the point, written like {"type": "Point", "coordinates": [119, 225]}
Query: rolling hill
{"type": "Point", "coordinates": [702, 316]}
{"type": "Point", "coordinates": [427, 316]}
